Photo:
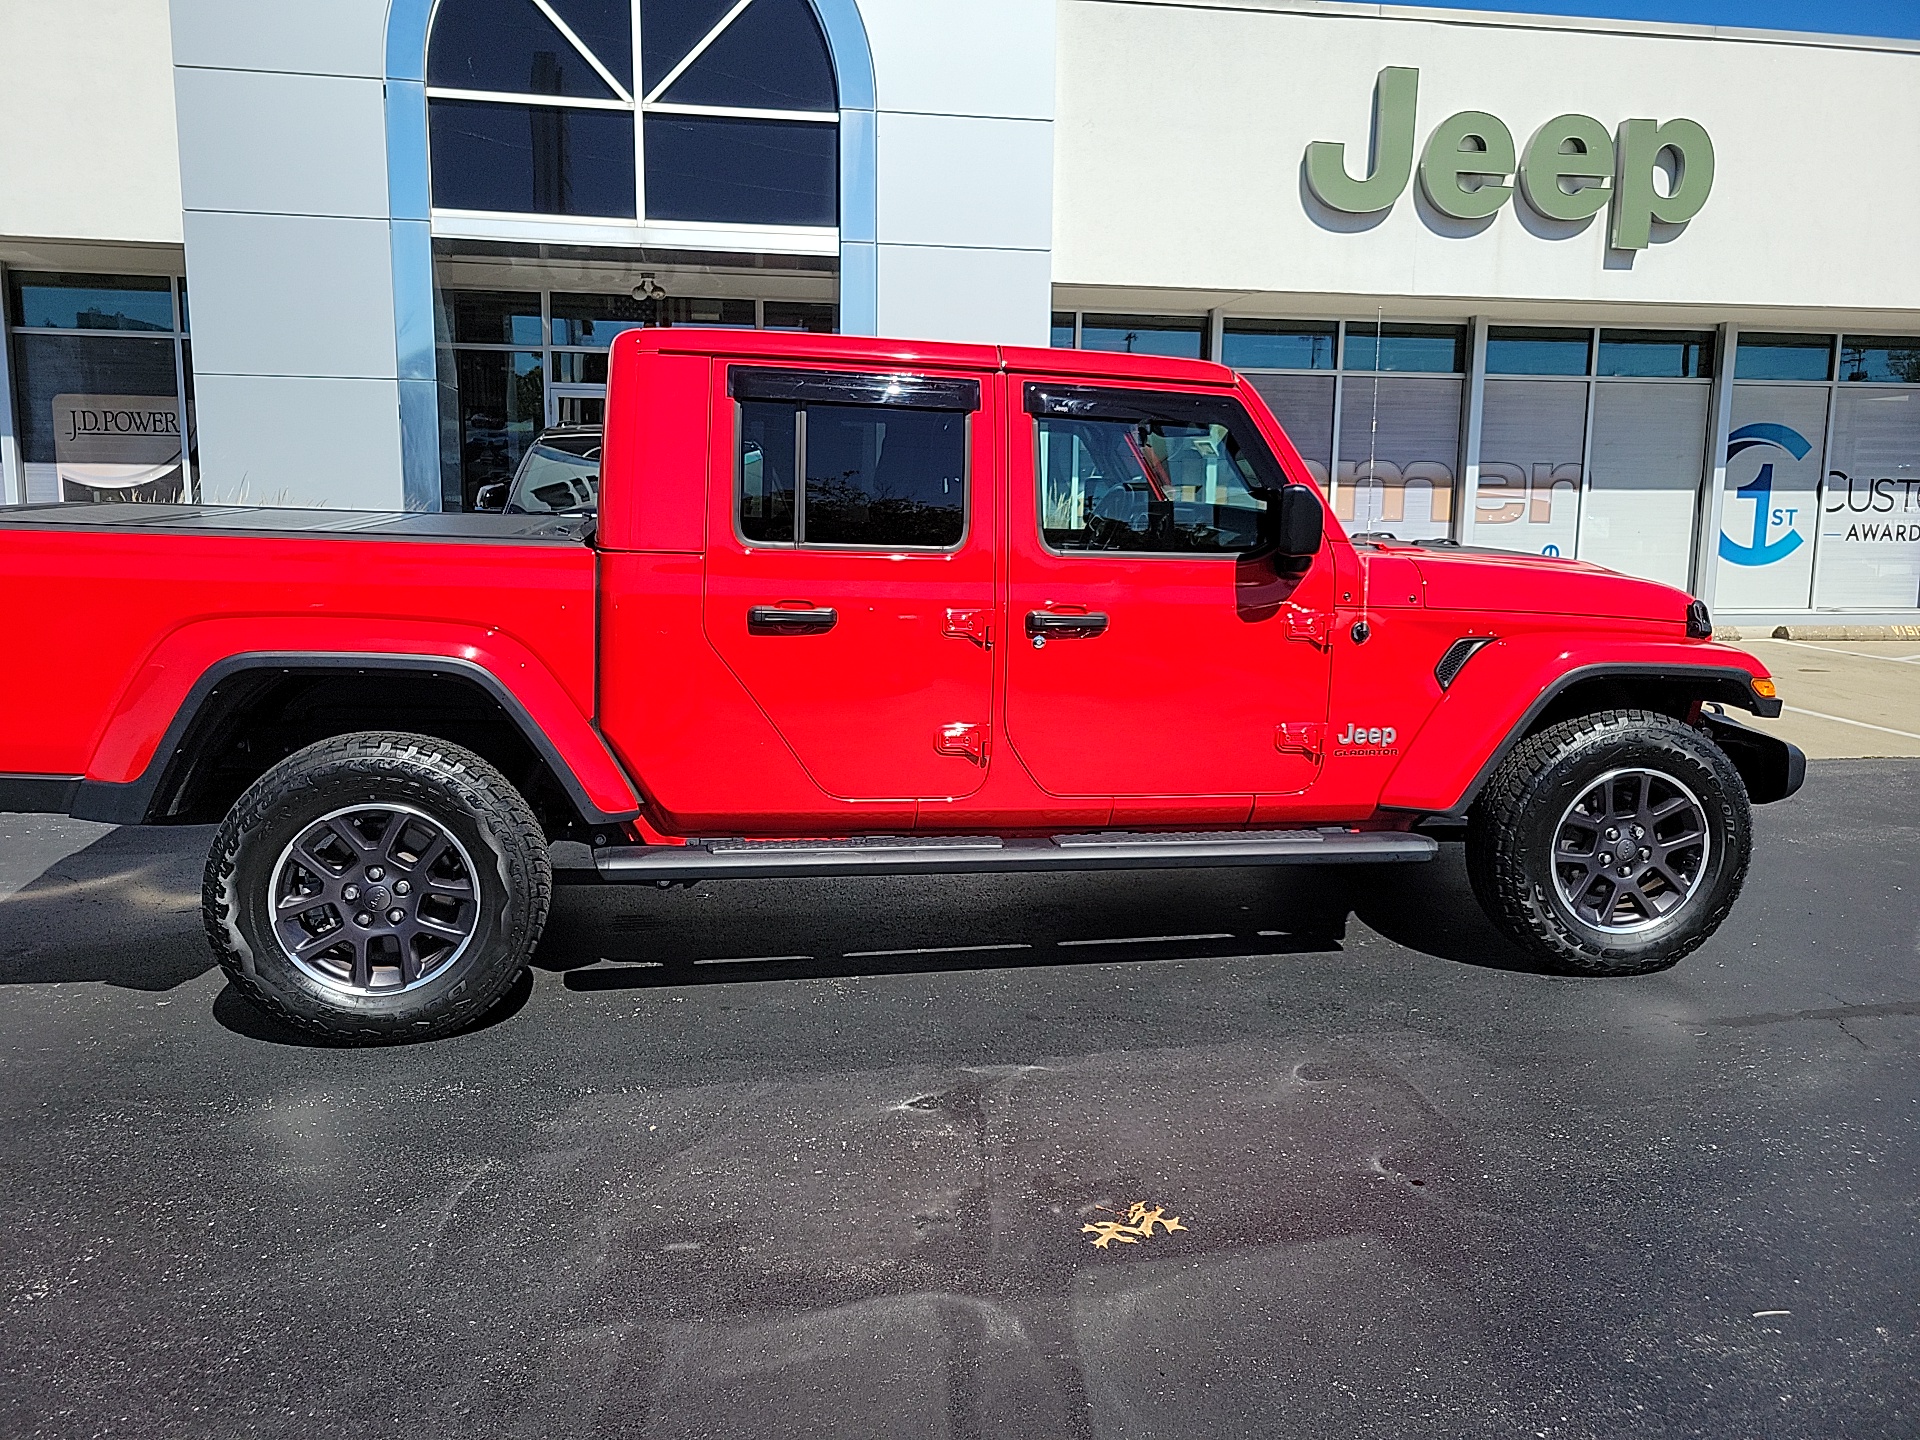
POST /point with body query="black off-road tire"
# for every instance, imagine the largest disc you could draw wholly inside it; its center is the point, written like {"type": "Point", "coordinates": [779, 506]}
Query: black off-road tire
{"type": "Point", "coordinates": [455, 790]}
{"type": "Point", "coordinates": [1512, 832]}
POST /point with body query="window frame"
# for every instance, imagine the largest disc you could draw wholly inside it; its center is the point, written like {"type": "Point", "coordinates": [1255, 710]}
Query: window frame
{"type": "Point", "coordinates": [816, 387]}
{"type": "Point", "coordinates": [1224, 404]}
{"type": "Point", "coordinates": [639, 102]}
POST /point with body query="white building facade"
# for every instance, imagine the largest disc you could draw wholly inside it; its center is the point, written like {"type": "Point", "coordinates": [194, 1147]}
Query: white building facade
{"type": "Point", "coordinates": [1648, 295]}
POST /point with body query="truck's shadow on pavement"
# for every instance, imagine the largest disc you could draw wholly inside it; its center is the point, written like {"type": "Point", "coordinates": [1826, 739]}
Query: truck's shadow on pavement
{"type": "Point", "coordinates": [124, 911]}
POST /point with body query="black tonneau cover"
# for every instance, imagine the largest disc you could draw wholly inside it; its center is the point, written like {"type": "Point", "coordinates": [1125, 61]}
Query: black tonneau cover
{"type": "Point", "coordinates": [318, 524]}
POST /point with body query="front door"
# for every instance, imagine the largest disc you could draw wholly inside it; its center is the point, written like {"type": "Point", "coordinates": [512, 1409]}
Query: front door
{"type": "Point", "coordinates": [1153, 652]}
{"type": "Point", "coordinates": [850, 573]}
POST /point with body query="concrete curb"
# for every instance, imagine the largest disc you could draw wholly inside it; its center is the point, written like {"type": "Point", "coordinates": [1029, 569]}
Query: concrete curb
{"type": "Point", "coordinates": [1819, 632]}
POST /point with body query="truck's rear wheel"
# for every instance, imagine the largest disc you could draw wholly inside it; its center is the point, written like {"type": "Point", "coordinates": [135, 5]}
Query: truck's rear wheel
{"type": "Point", "coordinates": [377, 887]}
{"type": "Point", "coordinates": [1611, 844]}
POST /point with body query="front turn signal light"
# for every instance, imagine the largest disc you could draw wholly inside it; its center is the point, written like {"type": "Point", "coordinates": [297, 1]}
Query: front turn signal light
{"type": "Point", "coordinates": [1766, 689]}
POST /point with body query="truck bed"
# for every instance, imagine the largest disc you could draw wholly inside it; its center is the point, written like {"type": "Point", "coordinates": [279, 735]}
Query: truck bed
{"type": "Point", "coordinates": [115, 611]}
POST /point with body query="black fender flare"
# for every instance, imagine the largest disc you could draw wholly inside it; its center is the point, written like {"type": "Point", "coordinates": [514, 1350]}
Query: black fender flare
{"type": "Point", "coordinates": [131, 802]}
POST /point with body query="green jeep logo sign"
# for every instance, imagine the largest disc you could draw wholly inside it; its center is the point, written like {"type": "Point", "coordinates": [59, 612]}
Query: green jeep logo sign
{"type": "Point", "coordinates": [1570, 169]}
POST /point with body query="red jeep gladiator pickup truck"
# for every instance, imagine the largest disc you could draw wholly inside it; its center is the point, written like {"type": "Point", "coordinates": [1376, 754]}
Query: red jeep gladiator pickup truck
{"type": "Point", "coordinates": [846, 606]}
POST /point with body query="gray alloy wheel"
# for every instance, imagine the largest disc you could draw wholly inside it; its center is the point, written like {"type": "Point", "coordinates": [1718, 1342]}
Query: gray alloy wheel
{"type": "Point", "coordinates": [1631, 850]}
{"type": "Point", "coordinates": [374, 899]}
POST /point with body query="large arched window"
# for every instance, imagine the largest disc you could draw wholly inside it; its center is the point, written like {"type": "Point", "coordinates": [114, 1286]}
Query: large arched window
{"type": "Point", "coordinates": [666, 112]}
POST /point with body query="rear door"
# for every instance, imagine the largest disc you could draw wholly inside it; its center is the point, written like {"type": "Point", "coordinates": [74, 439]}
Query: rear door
{"type": "Point", "coordinates": [1154, 652]}
{"type": "Point", "coordinates": [850, 570]}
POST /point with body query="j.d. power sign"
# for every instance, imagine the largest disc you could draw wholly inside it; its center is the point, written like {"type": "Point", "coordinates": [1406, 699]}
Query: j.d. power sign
{"type": "Point", "coordinates": [1570, 170]}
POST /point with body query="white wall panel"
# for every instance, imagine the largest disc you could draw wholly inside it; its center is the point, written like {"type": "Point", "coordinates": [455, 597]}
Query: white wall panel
{"type": "Point", "coordinates": [290, 295]}
{"type": "Point", "coordinates": [86, 121]}
{"type": "Point", "coordinates": [963, 57]}
{"type": "Point", "coordinates": [313, 37]}
{"type": "Point", "coordinates": [277, 440]}
{"type": "Point", "coordinates": [993, 296]}
{"type": "Point", "coordinates": [290, 144]}
{"type": "Point", "coordinates": [946, 180]}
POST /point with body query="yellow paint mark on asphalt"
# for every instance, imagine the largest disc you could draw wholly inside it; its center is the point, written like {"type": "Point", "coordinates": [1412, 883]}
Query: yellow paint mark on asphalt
{"type": "Point", "coordinates": [1138, 1226]}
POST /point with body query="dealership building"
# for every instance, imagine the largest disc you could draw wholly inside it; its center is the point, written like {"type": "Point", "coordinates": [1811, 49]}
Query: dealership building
{"type": "Point", "coordinates": [1643, 294]}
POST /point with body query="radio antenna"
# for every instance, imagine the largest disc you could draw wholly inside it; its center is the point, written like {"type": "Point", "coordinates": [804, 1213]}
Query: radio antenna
{"type": "Point", "coordinates": [1363, 627]}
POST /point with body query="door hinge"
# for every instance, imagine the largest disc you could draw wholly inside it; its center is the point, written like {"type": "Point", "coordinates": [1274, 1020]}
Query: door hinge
{"type": "Point", "coordinates": [1301, 737]}
{"type": "Point", "coordinates": [1312, 626]}
{"type": "Point", "coordinates": [973, 624]}
{"type": "Point", "coordinates": [964, 739]}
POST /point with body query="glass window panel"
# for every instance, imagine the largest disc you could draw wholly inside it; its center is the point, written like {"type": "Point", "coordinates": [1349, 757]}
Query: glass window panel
{"type": "Point", "coordinates": [806, 315]}
{"type": "Point", "coordinates": [502, 407]}
{"type": "Point", "coordinates": [581, 409]}
{"type": "Point", "coordinates": [1436, 349]}
{"type": "Point", "coordinates": [91, 302]}
{"type": "Point", "coordinates": [560, 475]}
{"type": "Point", "coordinates": [1648, 445]}
{"type": "Point", "coordinates": [1278, 344]}
{"type": "Point", "coordinates": [1870, 510]}
{"type": "Point", "coordinates": [606, 28]}
{"type": "Point", "coordinates": [509, 46]}
{"type": "Point", "coordinates": [184, 326]}
{"type": "Point", "coordinates": [578, 367]}
{"type": "Point", "coordinates": [751, 172]}
{"type": "Point", "coordinates": [1532, 433]}
{"type": "Point", "coordinates": [492, 317]}
{"type": "Point", "coordinates": [592, 319]}
{"type": "Point", "coordinates": [725, 314]}
{"type": "Point", "coordinates": [1061, 337]}
{"type": "Point", "coordinates": [1183, 336]}
{"type": "Point", "coordinates": [1399, 449]}
{"type": "Point", "coordinates": [1156, 487]}
{"type": "Point", "coordinates": [1680, 354]}
{"type": "Point", "coordinates": [1884, 359]}
{"type": "Point", "coordinates": [773, 57]}
{"type": "Point", "coordinates": [766, 471]}
{"type": "Point", "coordinates": [531, 159]}
{"type": "Point", "coordinates": [884, 477]}
{"type": "Point", "coordinates": [1512, 350]}
{"type": "Point", "coordinates": [99, 418]}
{"type": "Point", "coordinates": [672, 28]}
{"type": "Point", "coordinates": [1303, 404]}
{"type": "Point", "coordinates": [1775, 445]}
{"type": "Point", "coordinates": [1783, 357]}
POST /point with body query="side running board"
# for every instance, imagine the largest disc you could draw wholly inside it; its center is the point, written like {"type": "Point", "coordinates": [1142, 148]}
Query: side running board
{"type": "Point", "coordinates": [966, 854]}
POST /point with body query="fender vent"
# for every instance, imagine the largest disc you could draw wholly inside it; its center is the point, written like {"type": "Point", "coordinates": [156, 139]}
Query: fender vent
{"type": "Point", "coordinates": [1455, 660]}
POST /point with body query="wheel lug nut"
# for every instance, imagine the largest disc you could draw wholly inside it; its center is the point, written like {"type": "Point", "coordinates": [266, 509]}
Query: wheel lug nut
{"type": "Point", "coordinates": [396, 915]}
{"type": "Point", "coordinates": [1645, 853]}
{"type": "Point", "coordinates": [376, 874]}
{"type": "Point", "coordinates": [352, 892]}
{"type": "Point", "coordinates": [402, 887]}
{"type": "Point", "coordinates": [1612, 834]}
{"type": "Point", "coordinates": [363, 919]}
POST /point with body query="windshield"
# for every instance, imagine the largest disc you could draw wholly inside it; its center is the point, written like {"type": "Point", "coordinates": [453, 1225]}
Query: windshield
{"type": "Point", "coordinates": [552, 481]}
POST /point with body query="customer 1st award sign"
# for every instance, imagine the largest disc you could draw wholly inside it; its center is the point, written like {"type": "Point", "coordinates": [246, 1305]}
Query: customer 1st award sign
{"type": "Point", "coordinates": [1570, 170]}
{"type": "Point", "coordinates": [117, 447]}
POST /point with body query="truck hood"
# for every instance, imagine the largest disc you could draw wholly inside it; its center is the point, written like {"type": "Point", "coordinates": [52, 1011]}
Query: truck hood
{"type": "Point", "coordinates": [1500, 581]}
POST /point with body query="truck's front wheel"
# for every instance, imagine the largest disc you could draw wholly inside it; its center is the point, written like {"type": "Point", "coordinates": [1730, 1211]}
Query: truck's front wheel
{"type": "Point", "coordinates": [1611, 844]}
{"type": "Point", "coordinates": [377, 887]}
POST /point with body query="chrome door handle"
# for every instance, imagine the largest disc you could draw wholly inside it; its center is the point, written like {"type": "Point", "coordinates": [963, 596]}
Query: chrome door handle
{"type": "Point", "coordinates": [773, 620]}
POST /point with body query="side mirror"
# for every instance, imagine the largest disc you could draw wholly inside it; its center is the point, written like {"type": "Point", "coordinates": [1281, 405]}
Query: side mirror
{"type": "Point", "coordinates": [491, 497]}
{"type": "Point", "coordinates": [1296, 524]}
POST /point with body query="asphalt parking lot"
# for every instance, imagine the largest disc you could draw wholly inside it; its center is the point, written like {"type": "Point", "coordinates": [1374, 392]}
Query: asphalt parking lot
{"type": "Point", "coordinates": [684, 1188]}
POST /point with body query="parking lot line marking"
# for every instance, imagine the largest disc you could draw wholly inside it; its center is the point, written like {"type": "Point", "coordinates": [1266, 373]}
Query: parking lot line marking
{"type": "Point", "coordinates": [748, 959]}
{"type": "Point", "coordinates": [1857, 654]}
{"type": "Point", "coordinates": [1146, 939]}
{"type": "Point", "coordinates": [931, 950]}
{"type": "Point", "coordinates": [1843, 720]}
